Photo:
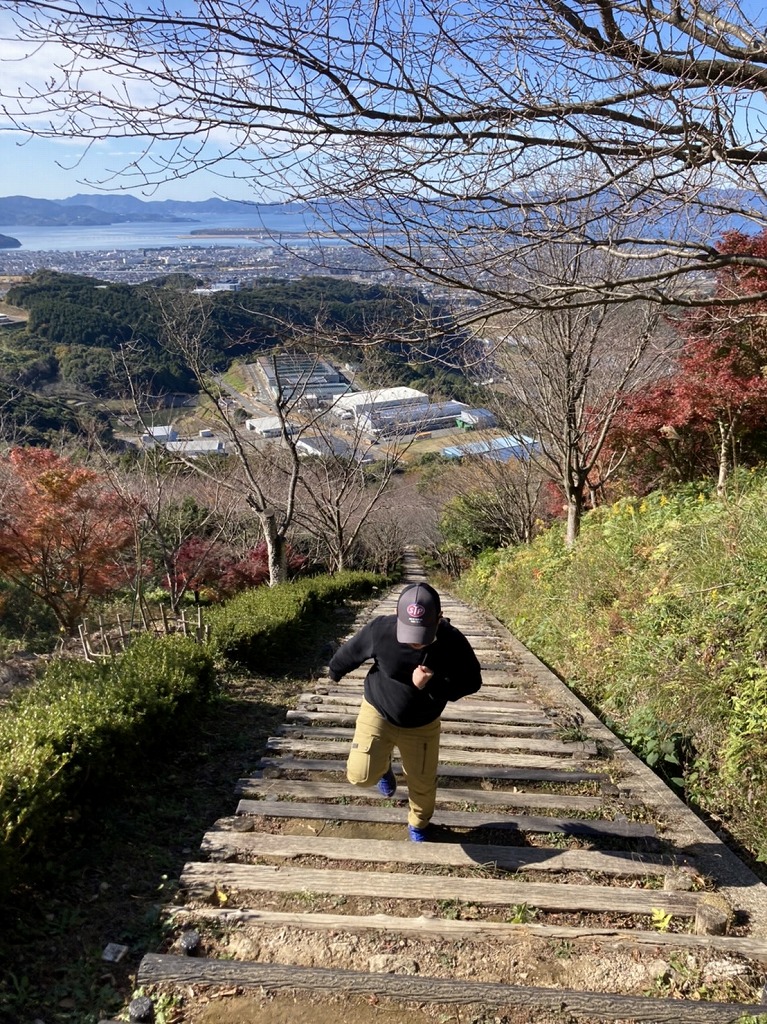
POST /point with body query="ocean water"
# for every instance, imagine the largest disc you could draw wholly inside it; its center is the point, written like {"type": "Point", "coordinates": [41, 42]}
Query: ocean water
{"type": "Point", "coordinates": [290, 228]}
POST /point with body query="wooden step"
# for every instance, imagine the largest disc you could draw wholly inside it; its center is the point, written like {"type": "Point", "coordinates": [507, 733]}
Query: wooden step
{"type": "Point", "coordinates": [277, 744]}
{"type": "Point", "coordinates": [493, 727]}
{"type": "Point", "coordinates": [501, 696]}
{"type": "Point", "coordinates": [521, 714]}
{"type": "Point", "coordinates": [456, 819]}
{"type": "Point", "coordinates": [451, 741]}
{"type": "Point", "coordinates": [478, 931]}
{"type": "Point", "coordinates": [560, 776]}
{"type": "Point", "coordinates": [282, 788]}
{"type": "Point", "coordinates": [165, 969]}
{"type": "Point", "coordinates": [223, 843]}
{"type": "Point", "coordinates": [205, 878]}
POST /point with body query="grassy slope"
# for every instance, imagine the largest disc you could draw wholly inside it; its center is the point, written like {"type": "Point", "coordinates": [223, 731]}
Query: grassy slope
{"type": "Point", "coordinates": [658, 618]}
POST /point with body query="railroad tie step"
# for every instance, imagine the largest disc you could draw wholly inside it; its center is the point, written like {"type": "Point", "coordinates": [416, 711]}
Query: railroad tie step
{"type": "Point", "coordinates": [165, 969]}
{"type": "Point", "coordinates": [584, 827]}
{"type": "Point", "coordinates": [429, 927]}
{"type": "Point", "coordinates": [227, 843]}
{"type": "Point", "coordinates": [204, 880]}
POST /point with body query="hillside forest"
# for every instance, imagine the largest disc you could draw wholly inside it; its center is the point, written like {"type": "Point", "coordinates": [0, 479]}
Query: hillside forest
{"type": "Point", "coordinates": [86, 342]}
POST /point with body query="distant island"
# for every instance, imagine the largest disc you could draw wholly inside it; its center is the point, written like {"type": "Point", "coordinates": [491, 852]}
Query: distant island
{"type": "Point", "coordinates": [23, 211]}
{"type": "Point", "coordinates": [6, 242]}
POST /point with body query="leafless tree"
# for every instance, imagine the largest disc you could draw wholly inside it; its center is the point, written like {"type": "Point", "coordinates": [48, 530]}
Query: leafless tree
{"type": "Point", "coordinates": [568, 375]}
{"type": "Point", "coordinates": [567, 371]}
{"type": "Point", "coordinates": [453, 139]}
{"type": "Point", "coordinates": [156, 490]}
{"type": "Point", "coordinates": [503, 498]}
{"type": "Point", "coordinates": [383, 539]}
{"type": "Point", "coordinates": [319, 476]}
{"type": "Point", "coordinates": [342, 484]}
{"type": "Point", "coordinates": [266, 482]}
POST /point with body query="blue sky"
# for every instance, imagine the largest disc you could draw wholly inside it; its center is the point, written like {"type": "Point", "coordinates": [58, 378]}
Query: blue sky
{"type": "Point", "coordinates": [57, 168]}
{"type": "Point", "coordinates": [54, 168]}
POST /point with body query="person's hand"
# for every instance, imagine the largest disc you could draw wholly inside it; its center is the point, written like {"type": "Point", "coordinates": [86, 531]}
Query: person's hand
{"type": "Point", "coordinates": [421, 676]}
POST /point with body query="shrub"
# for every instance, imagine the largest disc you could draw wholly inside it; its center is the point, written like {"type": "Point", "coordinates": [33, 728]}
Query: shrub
{"type": "Point", "coordinates": [26, 619]}
{"type": "Point", "coordinates": [254, 627]}
{"type": "Point", "coordinates": [77, 733]}
{"type": "Point", "coordinates": [83, 729]}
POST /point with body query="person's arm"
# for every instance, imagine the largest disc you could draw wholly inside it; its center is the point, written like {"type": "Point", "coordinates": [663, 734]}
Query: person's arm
{"type": "Point", "coordinates": [465, 675]}
{"type": "Point", "coordinates": [351, 654]}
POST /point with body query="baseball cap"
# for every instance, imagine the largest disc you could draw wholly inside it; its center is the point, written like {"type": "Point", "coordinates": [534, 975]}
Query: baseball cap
{"type": "Point", "coordinates": [418, 612]}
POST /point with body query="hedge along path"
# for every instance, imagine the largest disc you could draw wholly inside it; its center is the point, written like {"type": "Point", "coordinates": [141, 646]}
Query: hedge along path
{"type": "Point", "coordinates": [542, 813]}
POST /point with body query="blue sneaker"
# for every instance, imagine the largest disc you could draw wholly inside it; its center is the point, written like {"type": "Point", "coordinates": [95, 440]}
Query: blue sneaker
{"type": "Point", "coordinates": [417, 835]}
{"type": "Point", "coordinates": [387, 784]}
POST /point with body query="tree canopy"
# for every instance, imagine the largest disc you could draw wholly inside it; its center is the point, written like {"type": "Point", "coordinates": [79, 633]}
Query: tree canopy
{"type": "Point", "coordinates": [709, 411]}
{"type": "Point", "coordinates": [61, 531]}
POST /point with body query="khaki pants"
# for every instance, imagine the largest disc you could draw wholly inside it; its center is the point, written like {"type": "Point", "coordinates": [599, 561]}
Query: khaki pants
{"type": "Point", "coordinates": [374, 740]}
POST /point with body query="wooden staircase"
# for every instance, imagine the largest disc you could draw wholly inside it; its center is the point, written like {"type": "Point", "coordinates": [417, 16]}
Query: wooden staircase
{"type": "Point", "coordinates": [549, 835]}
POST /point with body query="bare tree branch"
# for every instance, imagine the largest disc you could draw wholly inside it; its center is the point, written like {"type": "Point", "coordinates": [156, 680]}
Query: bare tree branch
{"type": "Point", "coordinates": [453, 141]}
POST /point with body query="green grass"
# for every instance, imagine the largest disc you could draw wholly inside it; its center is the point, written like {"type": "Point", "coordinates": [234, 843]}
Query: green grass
{"type": "Point", "coordinates": [238, 378]}
{"type": "Point", "coordinates": [658, 619]}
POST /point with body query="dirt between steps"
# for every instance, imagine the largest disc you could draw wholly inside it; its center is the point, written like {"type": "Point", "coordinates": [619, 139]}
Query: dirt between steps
{"type": "Point", "coordinates": [530, 961]}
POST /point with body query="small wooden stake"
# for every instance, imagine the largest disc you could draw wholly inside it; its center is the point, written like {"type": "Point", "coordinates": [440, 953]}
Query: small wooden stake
{"type": "Point", "coordinates": [84, 641]}
{"type": "Point", "coordinates": [712, 915]}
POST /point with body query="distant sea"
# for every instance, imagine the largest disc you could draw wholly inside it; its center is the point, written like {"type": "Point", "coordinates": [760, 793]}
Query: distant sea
{"type": "Point", "coordinates": [289, 228]}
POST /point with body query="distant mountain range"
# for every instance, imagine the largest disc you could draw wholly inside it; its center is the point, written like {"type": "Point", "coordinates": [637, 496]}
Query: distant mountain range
{"type": "Point", "coordinates": [712, 213]}
{"type": "Point", "coordinates": [95, 210]}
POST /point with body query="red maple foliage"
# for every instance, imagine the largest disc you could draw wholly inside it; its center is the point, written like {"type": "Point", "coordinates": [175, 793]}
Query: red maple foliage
{"type": "Point", "coordinates": [61, 531]}
{"type": "Point", "coordinates": [253, 569]}
{"type": "Point", "coordinates": [199, 564]}
{"type": "Point", "coordinates": [209, 568]}
{"type": "Point", "coordinates": [712, 409]}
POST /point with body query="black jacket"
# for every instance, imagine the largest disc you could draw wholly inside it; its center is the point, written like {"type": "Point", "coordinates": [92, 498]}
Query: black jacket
{"type": "Point", "coordinates": [389, 683]}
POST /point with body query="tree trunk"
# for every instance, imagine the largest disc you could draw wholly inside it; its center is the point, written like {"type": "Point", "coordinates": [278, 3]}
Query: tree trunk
{"type": "Point", "coordinates": [175, 593]}
{"type": "Point", "coordinates": [725, 435]}
{"type": "Point", "coordinates": [276, 552]}
{"type": "Point", "coordinates": [574, 514]}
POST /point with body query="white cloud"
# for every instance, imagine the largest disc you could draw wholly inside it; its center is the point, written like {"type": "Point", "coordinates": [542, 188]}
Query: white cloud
{"type": "Point", "coordinates": [48, 93]}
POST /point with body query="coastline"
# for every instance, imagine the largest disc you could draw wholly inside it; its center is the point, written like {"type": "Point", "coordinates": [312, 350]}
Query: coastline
{"type": "Point", "coordinates": [263, 235]}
